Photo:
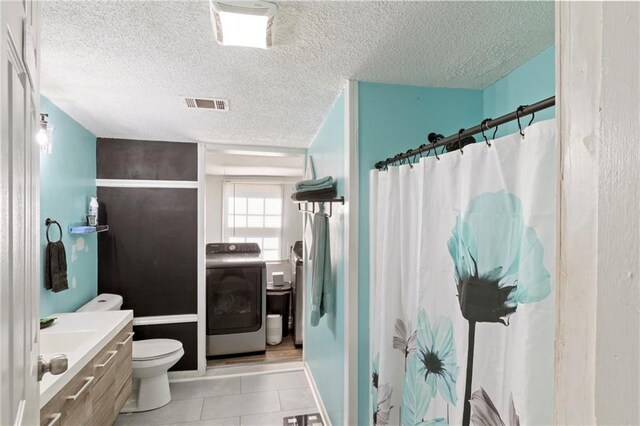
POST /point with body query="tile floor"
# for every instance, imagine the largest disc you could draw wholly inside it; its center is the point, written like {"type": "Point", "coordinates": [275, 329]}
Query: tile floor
{"type": "Point", "coordinates": [262, 399]}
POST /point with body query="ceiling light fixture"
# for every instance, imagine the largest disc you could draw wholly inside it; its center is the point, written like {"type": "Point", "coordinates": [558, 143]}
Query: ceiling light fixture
{"type": "Point", "coordinates": [243, 23]}
{"type": "Point", "coordinates": [44, 137]}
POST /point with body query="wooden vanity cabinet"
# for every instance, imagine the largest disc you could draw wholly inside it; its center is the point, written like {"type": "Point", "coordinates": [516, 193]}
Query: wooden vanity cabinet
{"type": "Point", "coordinates": [98, 392]}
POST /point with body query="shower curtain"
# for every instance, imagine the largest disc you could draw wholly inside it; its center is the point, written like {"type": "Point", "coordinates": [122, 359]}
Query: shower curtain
{"type": "Point", "coordinates": [462, 267]}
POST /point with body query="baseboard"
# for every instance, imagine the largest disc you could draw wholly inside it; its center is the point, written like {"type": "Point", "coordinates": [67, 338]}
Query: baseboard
{"type": "Point", "coordinates": [316, 396]}
{"type": "Point", "coordinates": [173, 375]}
{"type": "Point", "coordinates": [254, 369]}
{"type": "Point", "coordinates": [235, 371]}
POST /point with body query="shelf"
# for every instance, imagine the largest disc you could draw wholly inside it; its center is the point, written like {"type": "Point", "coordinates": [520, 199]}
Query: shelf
{"type": "Point", "coordinates": [85, 229]}
{"type": "Point", "coordinates": [321, 200]}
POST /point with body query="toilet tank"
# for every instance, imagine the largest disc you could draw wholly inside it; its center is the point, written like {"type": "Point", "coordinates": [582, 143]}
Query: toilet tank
{"type": "Point", "coordinates": [103, 302]}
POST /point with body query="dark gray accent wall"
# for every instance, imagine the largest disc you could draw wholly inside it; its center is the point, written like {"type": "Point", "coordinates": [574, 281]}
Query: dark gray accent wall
{"type": "Point", "coordinates": [146, 160]}
{"type": "Point", "coordinates": [149, 256]}
{"type": "Point", "coordinates": [187, 333]}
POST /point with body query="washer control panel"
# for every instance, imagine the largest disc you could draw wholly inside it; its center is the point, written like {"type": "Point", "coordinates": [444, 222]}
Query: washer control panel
{"type": "Point", "coordinates": [221, 248]}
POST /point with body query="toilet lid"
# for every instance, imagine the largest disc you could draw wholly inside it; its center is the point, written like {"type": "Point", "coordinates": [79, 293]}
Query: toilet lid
{"type": "Point", "coordinates": [154, 348]}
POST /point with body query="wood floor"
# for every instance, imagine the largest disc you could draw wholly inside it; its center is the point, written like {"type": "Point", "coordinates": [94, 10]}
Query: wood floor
{"type": "Point", "coordinates": [285, 351]}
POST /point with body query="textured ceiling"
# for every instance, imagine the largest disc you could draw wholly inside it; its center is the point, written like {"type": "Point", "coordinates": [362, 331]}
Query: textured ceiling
{"type": "Point", "coordinates": [120, 67]}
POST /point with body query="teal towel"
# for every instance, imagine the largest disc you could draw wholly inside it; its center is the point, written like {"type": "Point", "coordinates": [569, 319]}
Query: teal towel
{"type": "Point", "coordinates": [314, 185]}
{"type": "Point", "coordinates": [322, 292]}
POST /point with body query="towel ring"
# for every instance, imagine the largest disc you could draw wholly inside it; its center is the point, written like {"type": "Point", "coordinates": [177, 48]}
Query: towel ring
{"type": "Point", "coordinates": [50, 222]}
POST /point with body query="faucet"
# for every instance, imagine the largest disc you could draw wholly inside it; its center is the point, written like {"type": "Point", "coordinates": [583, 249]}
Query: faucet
{"type": "Point", "coordinates": [58, 364]}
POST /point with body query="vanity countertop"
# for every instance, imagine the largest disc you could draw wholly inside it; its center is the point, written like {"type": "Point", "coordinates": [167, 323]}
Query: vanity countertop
{"type": "Point", "coordinates": [81, 336]}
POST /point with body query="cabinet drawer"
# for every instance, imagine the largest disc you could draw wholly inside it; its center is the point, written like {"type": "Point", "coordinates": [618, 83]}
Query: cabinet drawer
{"type": "Point", "coordinates": [79, 413]}
{"type": "Point", "coordinates": [97, 393]}
{"type": "Point", "coordinates": [105, 386]}
{"type": "Point", "coordinates": [123, 395]}
{"type": "Point", "coordinates": [103, 410]}
{"type": "Point", "coordinates": [72, 405]}
{"type": "Point", "coordinates": [110, 355]}
{"type": "Point", "coordinates": [75, 399]}
{"type": "Point", "coordinates": [51, 414]}
{"type": "Point", "coordinates": [123, 366]}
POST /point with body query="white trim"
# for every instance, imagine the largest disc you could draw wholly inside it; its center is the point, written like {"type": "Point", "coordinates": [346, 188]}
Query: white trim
{"type": "Point", "coordinates": [350, 212]}
{"type": "Point", "coordinates": [308, 165]}
{"type": "Point", "coordinates": [184, 375]}
{"type": "Point", "coordinates": [316, 396]}
{"type": "Point", "coordinates": [254, 369]}
{"type": "Point", "coordinates": [202, 283]}
{"type": "Point", "coordinates": [373, 238]}
{"type": "Point", "coordinates": [260, 150]}
{"type": "Point", "coordinates": [261, 179]}
{"type": "Point", "coordinates": [141, 183]}
{"type": "Point", "coordinates": [165, 319]}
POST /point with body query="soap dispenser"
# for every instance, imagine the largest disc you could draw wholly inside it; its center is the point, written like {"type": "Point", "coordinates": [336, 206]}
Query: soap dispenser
{"type": "Point", "coordinates": [92, 217]}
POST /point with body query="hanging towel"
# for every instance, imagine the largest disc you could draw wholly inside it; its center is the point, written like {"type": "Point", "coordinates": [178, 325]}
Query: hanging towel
{"type": "Point", "coordinates": [322, 292]}
{"type": "Point", "coordinates": [315, 184]}
{"type": "Point", "coordinates": [321, 194]}
{"type": "Point", "coordinates": [55, 267]}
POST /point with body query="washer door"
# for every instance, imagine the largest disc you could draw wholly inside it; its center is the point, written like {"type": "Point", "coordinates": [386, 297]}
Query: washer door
{"type": "Point", "coordinates": [234, 300]}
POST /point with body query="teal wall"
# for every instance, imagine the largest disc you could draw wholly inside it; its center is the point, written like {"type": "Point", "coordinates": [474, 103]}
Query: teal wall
{"type": "Point", "coordinates": [529, 83]}
{"type": "Point", "coordinates": [324, 344]}
{"type": "Point", "coordinates": [67, 180]}
{"type": "Point", "coordinates": [393, 119]}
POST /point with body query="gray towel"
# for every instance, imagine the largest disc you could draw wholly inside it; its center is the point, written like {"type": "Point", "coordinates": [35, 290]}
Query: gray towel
{"type": "Point", "coordinates": [55, 267]}
{"type": "Point", "coordinates": [321, 194]}
{"type": "Point", "coordinates": [322, 292]}
{"type": "Point", "coordinates": [315, 184]}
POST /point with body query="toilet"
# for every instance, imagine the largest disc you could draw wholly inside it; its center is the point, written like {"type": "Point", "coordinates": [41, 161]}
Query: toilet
{"type": "Point", "coordinates": [152, 358]}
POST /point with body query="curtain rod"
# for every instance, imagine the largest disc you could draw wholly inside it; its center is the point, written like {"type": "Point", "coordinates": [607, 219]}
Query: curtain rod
{"type": "Point", "coordinates": [485, 125]}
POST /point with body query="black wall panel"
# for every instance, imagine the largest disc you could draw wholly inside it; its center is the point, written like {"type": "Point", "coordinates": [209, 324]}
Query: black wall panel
{"type": "Point", "coordinates": [146, 160]}
{"type": "Point", "coordinates": [149, 255]}
{"type": "Point", "coordinates": [187, 333]}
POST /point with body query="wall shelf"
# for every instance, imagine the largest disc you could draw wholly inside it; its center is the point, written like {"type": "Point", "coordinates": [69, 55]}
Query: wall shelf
{"type": "Point", "coordinates": [86, 229]}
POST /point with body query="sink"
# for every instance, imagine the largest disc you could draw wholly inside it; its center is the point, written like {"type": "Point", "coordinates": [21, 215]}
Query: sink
{"type": "Point", "coordinates": [63, 342]}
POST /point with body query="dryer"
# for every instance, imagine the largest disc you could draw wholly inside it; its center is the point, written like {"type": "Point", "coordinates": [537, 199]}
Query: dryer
{"type": "Point", "coordinates": [297, 285]}
{"type": "Point", "coordinates": [236, 299]}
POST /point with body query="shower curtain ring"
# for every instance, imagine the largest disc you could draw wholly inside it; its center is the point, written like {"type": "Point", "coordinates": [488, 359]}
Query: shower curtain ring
{"type": "Point", "coordinates": [435, 151]}
{"type": "Point", "coordinates": [423, 148]}
{"type": "Point", "coordinates": [483, 126]}
{"type": "Point", "coordinates": [460, 141]}
{"type": "Point", "coordinates": [409, 159]}
{"type": "Point", "coordinates": [533, 116]}
{"type": "Point", "coordinates": [518, 112]}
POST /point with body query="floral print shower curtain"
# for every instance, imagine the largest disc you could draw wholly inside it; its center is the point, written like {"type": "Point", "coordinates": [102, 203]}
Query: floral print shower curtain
{"type": "Point", "coordinates": [462, 267]}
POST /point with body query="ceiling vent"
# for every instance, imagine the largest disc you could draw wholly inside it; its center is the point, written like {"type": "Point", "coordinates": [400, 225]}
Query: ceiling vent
{"type": "Point", "coordinates": [204, 103]}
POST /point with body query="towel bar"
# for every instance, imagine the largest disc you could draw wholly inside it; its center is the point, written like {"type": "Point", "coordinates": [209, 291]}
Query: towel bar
{"type": "Point", "coordinates": [313, 205]}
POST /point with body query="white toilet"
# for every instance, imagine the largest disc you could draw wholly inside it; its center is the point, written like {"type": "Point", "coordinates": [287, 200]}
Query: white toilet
{"type": "Point", "coordinates": [152, 358]}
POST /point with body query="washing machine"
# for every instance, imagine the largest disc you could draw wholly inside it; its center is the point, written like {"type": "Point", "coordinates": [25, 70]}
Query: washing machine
{"type": "Point", "coordinates": [236, 299]}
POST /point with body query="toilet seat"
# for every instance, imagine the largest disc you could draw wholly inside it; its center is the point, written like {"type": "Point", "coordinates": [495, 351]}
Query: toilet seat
{"type": "Point", "coordinates": [150, 349]}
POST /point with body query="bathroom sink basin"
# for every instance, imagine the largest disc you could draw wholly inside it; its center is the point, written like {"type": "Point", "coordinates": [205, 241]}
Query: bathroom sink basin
{"type": "Point", "coordinates": [63, 342]}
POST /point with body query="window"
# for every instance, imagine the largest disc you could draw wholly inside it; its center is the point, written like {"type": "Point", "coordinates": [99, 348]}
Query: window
{"type": "Point", "coordinates": [253, 214]}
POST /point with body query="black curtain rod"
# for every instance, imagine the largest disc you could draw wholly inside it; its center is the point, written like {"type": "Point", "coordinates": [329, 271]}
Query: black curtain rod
{"type": "Point", "coordinates": [486, 125]}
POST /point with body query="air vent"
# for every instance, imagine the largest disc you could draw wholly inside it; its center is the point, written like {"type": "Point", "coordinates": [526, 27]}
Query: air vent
{"type": "Point", "coordinates": [204, 103]}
